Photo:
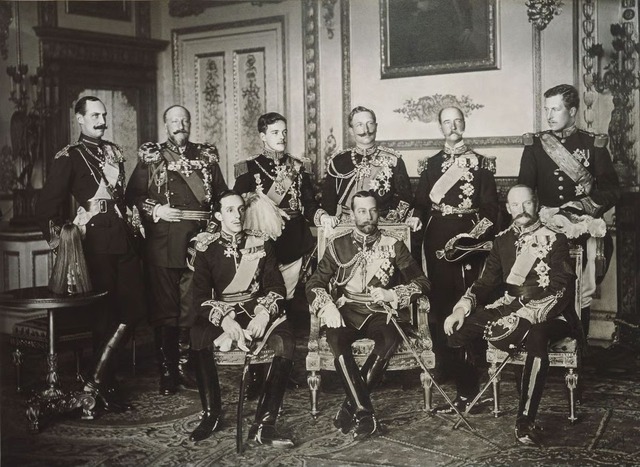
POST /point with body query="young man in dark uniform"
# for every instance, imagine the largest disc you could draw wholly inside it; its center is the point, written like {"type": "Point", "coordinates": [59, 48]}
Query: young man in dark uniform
{"type": "Point", "coordinates": [571, 169]}
{"type": "Point", "coordinates": [456, 196]}
{"type": "Point", "coordinates": [92, 170]}
{"type": "Point", "coordinates": [237, 295]}
{"type": "Point", "coordinates": [173, 187]}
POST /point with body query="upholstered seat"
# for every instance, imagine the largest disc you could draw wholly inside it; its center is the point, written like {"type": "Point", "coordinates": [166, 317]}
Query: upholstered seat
{"type": "Point", "coordinates": [565, 353]}
{"type": "Point", "coordinates": [321, 358]}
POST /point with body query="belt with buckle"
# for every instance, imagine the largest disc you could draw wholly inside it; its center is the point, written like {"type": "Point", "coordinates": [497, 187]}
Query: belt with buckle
{"type": "Point", "coordinates": [237, 297]}
{"type": "Point", "coordinates": [358, 297]}
{"type": "Point", "coordinates": [448, 210]}
{"type": "Point", "coordinates": [188, 215]}
{"type": "Point", "coordinates": [525, 292]}
{"type": "Point", "coordinates": [99, 206]}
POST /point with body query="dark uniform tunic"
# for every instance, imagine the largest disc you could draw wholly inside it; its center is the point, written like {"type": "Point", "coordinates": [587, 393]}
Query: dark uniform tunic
{"type": "Point", "coordinates": [380, 170]}
{"type": "Point", "coordinates": [218, 262]}
{"type": "Point", "coordinates": [354, 263]}
{"type": "Point", "coordinates": [269, 172]}
{"type": "Point", "coordinates": [554, 187]}
{"type": "Point", "coordinates": [190, 181]}
{"type": "Point", "coordinates": [546, 286]}
{"type": "Point", "coordinates": [471, 198]}
{"type": "Point", "coordinates": [108, 244]}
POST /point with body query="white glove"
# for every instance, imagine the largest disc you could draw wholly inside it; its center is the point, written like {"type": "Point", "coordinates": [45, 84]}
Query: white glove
{"type": "Point", "coordinates": [233, 330]}
{"type": "Point", "coordinates": [166, 213]}
{"type": "Point", "coordinates": [415, 223]}
{"type": "Point", "coordinates": [454, 321]}
{"type": "Point", "coordinates": [328, 220]}
{"type": "Point", "coordinates": [330, 316]}
{"type": "Point", "coordinates": [258, 325]}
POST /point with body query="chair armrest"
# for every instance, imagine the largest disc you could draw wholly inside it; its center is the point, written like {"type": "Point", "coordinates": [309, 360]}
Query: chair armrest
{"type": "Point", "coordinates": [314, 333]}
{"type": "Point", "coordinates": [423, 308]}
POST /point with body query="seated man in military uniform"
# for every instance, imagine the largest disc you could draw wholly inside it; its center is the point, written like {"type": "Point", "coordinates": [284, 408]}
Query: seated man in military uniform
{"type": "Point", "coordinates": [370, 273]}
{"type": "Point", "coordinates": [237, 294]}
{"type": "Point", "coordinates": [532, 265]}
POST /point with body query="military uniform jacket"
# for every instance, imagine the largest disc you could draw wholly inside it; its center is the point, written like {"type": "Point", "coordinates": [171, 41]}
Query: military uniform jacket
{"type": "Point", "coordinates": [160, 178]}
{"type": "Point", "coordinates": [473, 192]}
{"type": "Point", "coordinates": [353, 264]}
{"type": "Point", "coordinates": [380, 170]}
{"type": "Point", "coordinates": [78, 170]}
{"type": "Point", "coordinates": [285, 178]}
{"type": "Point", "coordinates": [235, 274]}
{"type": "Point", "coordinates": [543, 280]}
{"type": "Point", "coordinates": [555, 187]}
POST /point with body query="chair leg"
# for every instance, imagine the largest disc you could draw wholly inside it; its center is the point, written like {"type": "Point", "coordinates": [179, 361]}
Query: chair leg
{"type": "Point", "coordinates": [571, 378]}
{"type": "Point", "coordinates": [78, 354]}
{"type": "Point", "coordinates": [17, 361]}
{"type": "Point", "coordinates": [427, 385]}
{"type": "Point", "coordinates": [496, 389]}
{"type": "Point", "coordinates": [314, 384]}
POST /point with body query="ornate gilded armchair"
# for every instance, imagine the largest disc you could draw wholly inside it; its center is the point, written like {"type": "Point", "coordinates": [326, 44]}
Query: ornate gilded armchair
{"type": "Point", "coordinates": [565, 353]}
{"type": "Point", "coordinates": [321, 358]}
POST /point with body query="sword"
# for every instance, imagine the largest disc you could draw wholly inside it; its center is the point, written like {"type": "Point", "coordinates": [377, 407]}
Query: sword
{"type": "Point", "coordinates": [391, 318]}
{"type": "Point", "coordinates": [254, 350]}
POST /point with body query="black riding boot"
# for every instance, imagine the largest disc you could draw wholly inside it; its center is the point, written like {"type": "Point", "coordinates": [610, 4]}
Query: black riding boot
{"type": "Point", "coordinates": [167, 354]}
{"type": "Point", "coordinates": [358, 395]}
{"type": "Point", "coordinates": [533, 379]}
{"type": "Point", "coordinates": [372, 372]}
{"type": "Point", "coordinates": [264, 430]}
{"type": "Point", "coordinates": [97, 383]}
{"type": "Point", "coordinates": [185, 380]}
{"type": "Point", "coordinates": [209, 389]}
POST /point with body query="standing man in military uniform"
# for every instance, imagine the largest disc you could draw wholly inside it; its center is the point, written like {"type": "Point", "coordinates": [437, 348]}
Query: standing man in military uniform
{"type": "Point", "coordinates": [457, 200]}
{"type": "Point", "coordinates": [531, 263]}
{"type": "Point", "coordinates": [173, 186]}
{"type": "Point", "coordinates": [92, 170]}
{"type": "Point", "coordinates": [370, 271]}
{"type": "Point", "coordinates": [238, 293]}
{"type": "Point", "coordinates": [571, 169]}
{"type": "Point", "coordinates": [367, 166]}
{"type": "Point", "coordinates": [286, 180]}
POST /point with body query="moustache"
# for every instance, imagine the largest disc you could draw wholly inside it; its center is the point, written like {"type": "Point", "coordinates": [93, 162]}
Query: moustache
{"type": "Point", "coordinates": [366, 133]}
{"type": "Point", "coordinates": [180, 131]}
{"type": "Point", "coordinates": [100, 127]}
{"type": "Point", "coordinates": [524, 215]}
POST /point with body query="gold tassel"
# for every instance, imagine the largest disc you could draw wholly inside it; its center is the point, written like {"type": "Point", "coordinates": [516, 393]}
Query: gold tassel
{"type": "Point", "coordinates": [70, 274]}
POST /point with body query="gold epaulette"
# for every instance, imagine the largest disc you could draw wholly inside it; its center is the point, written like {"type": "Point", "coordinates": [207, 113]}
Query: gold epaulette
{"type": "Point", "coordinates": [601, 140]}
{"type": "Point", "coordinates": [393, 152]}
{"type": "Point", "coordinates": [64, 152]}
{"type": "Point", "coordinates": [241, 168]}
{"type": "Point", "coordinates": [118, 147]}
{"type": "Point", "coordinates": [149, 153]}
{"type": "Point", "coordinates": [306, 162]}
{"type": "Point", "coordinates": [210, 151]}
{"type": "Point", "coordinates": [336, 153]}
{"type": "Point", "coordinates": [489, 163]}
{"type": "Point", "coordinates": [337, 235]}
{"type": "Point", "coordinates": [205, 240]}
{"type": "Point", "coordinates": [399, 236]}
{"type": "Point", "coordinates": [422, 164]}
{"type": "Point", "coordinates": [527, 139]}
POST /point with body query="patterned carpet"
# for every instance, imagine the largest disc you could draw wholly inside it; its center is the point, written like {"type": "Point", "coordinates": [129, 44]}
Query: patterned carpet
{"type": "Point", "coordinates": [608, 432]}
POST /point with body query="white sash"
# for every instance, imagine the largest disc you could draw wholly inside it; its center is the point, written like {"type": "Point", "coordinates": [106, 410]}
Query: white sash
{"type": "Point", "coordinates": [247, 267]}
{"type": "Point", "coordinates": [448, 179]}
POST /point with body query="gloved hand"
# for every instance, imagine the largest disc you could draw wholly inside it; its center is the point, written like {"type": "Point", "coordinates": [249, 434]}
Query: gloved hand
{"type": "Point", "coordinates": [258, 325]}
{"type": "Point", "coordinates": [167, 213]}
{"type": "Point", "coordinates": [330, 316]}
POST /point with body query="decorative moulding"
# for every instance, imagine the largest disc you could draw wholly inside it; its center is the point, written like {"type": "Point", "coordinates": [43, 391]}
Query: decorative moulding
{"type": "Point", "coordinates": [426, 108]}
{"type": "Point", "coordinates": [436, 143]}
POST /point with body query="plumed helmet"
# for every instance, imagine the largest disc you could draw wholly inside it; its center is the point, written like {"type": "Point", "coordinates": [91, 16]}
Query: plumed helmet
{"type": "Point", "coordinates": [507, 333]}
{"type": "Point", "coordinates": [461, 246]}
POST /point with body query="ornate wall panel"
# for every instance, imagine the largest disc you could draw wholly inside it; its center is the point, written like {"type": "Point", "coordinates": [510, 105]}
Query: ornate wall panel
{"type": "Point", "coordinates": [211, 98]}
{"type": "Point", "coordinates": [249, 95]}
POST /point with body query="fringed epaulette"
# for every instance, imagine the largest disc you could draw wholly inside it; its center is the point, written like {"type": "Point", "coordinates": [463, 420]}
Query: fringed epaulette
{"type": "Point", "coordinates": [422, 164]}
{"type": "Point", "coordinates": [205, 239]}
{"type": "Point", "coordinates": [64, 152]}
{"type": "Point", "coordinates": [333, 156]}
{"type": "Point", "coordinates": [331, 243]}
{"type": "Point", "coordinates": [306, 162]}
{"type": "Point", "coordinates": [527, 139]}
{"type": "Point", "coordinates": [489, 163]}
{"type": "Point", "coordinates": [111, 143]}
{"type": "Point", "coordinates": [242, 167]}
{"type": "Point", "coordinates": [149, 153]}
{"type": "Point", "coordinates": [399, 236]}
{"type": "Point", "coordinates": [210, 151]}
{"type": "Point", "coordinates": [601, 140]}
{"type": "Point", "coordinates": [393, 152]}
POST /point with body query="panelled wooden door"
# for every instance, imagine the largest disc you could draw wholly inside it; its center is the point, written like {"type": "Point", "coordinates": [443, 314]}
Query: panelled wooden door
{"type": "Point", "coordinates": [227, 76]}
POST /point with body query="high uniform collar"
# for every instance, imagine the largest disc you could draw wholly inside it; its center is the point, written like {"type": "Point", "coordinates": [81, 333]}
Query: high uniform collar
{"type": "Point", "coordinates": [366, 151]}
{"type": "Point", "coordinates": [178, 150]}
{"type": "Point", "coordinates": [275, 156]}
{"type": "Point", "coordinates": [566, 132]}
{"type": "Point", "coordinates": [361, 237]}
{"type": "Point", "coordinates": [520, 231]}
{"type": "Point", "coordinates": [90, 141]}
{"type": "Point", "coordinates": [459, 148]}
{"type": "Point", "coordinates": [232, 238]}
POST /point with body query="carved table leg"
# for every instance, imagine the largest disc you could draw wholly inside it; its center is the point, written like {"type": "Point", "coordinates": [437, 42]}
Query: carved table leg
{"type": "Point", "coordinates": [17, 361]}
{"type": "Point", "coordinates": [571, 378]}
{"type": "Point", "coordinates": [427, 384]}
{"type": "Point", "coordinates": [496, 389]}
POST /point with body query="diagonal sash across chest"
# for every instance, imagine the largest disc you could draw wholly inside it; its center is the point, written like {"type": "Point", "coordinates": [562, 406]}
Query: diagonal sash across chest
{"type": "Point", "coordinates": [566, 162]}
{"type": "Point", "coordinates": [449, 178]}
{"type": "Point", "coordinates": [282, 182]}
{"type": "Point", "coordinates": [247, 267]}
{"type": "Point", "coordinates": [195, 184]}
{"type": "Point", "coordinates": [527, 257]}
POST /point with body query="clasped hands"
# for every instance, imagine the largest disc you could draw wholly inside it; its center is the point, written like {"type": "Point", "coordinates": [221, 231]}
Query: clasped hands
{"type": "Point", "coordinates": [331, 317]}
{"type": "Point", "coordinates": [255, 329]}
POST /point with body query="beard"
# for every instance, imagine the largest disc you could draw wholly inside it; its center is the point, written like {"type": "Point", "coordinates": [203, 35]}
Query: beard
{"type": "Point", "coordinates": [180, 137]}
{"type": "Point", "coordinates": [367, 227]}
